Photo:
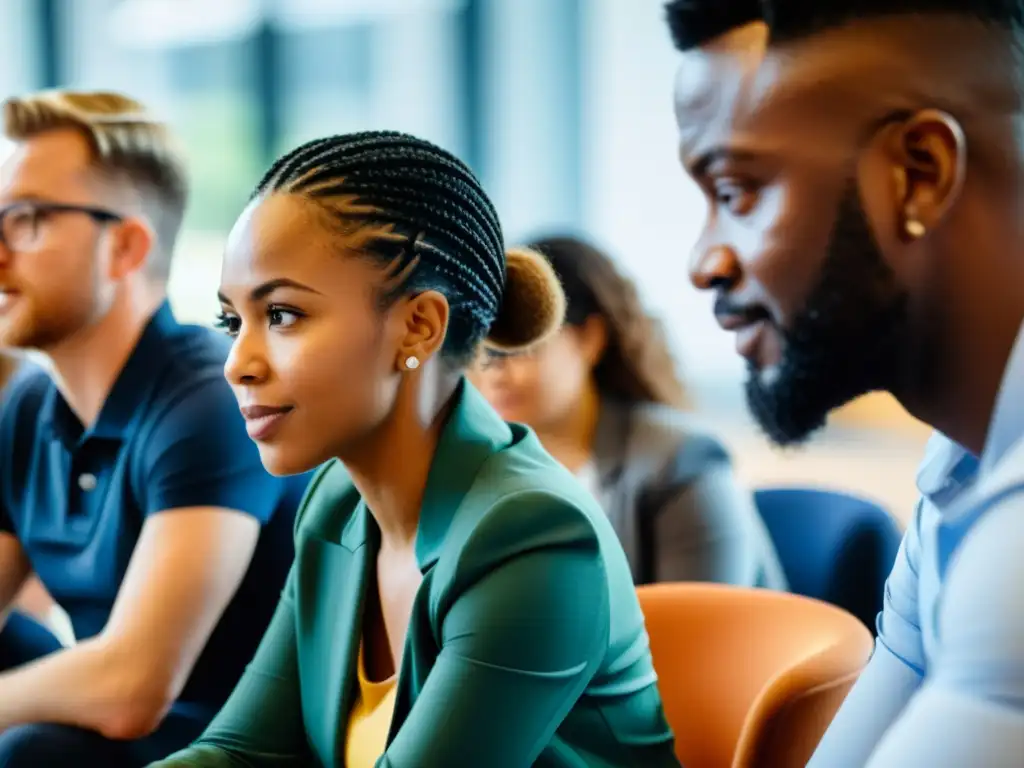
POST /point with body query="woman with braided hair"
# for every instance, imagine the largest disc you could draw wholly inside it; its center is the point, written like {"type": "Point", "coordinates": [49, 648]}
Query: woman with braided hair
{"type": "Point", "coordinates": [604, 399]}
{"type": "Point", "coordinates": [457, 598]}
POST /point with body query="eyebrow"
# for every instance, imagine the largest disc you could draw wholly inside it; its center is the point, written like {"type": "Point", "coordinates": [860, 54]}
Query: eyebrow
{"type": "Point", "coordinates": [699, 166]}
{"type": "Point", "coordinates": [265, 289]}
{"type": "Point", "coordinates": [21, 197]}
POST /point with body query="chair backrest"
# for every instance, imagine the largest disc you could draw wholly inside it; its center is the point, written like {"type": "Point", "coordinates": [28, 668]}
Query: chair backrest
{"type": "Point", "coordinates": [833, 546]}
{"type": "Point", "coordinates": [750, 678]}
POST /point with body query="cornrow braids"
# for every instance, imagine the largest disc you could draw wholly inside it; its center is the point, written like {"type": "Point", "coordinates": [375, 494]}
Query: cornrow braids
{"type": "Point", "coordinates": [422, 213]}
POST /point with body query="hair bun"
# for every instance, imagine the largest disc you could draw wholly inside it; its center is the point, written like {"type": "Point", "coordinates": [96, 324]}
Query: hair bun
{"type": "Point", "coordinates": [533, 306]}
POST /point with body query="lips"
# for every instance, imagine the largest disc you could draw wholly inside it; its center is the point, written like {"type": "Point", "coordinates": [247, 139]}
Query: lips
{"type": "Point", "coordinates": [251, 412]}
{"type": "Point", "coordinates": [263, 421]}
{"type": "Point", "coordinates": [748, 339]}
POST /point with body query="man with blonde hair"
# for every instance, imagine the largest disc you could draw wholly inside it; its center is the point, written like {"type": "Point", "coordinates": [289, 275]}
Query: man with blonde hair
{"type": "Point", "coordinates": [127, 481]}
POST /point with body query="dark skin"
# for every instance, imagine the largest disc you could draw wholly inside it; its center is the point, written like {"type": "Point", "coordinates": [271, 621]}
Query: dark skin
{"type": "Point", "coordinates": [774, 135]}
{"type": "Point", "coordinates": [300, 301]}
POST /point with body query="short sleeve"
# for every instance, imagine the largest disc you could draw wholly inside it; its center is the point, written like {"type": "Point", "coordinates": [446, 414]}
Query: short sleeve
{"type": "Point", "coordinates": [20, 402]}
{"type": "Point", "coordinates": [6, 456]}
{"type": "Point", "coordinates": [6, 452]}
{"type": "Point", "coordinates": [199, 455]}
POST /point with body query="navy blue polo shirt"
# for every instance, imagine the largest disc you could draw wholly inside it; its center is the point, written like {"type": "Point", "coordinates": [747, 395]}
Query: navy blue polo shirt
{"type": "Point", "coordinates": [170, 435]}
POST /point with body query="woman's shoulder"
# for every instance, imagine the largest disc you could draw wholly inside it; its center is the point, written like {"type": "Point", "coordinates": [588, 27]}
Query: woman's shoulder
{"type": "Point", "coordinates": [523, 473]}
{"type": "Point", "coordinates": [522, 497]}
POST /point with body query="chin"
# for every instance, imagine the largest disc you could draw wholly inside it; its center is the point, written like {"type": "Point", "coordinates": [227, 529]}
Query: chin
{"type": "Point", "coordinates": [281, 462]}
{"type": "Point", "coordinates": [16, 335]}
{"type": "Point", "coordinates": [518, 415]}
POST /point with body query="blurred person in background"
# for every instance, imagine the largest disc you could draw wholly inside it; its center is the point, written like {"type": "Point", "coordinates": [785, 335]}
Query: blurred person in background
{"type": "Point", "coordinates": [604, 398]}
{"type": "Point", "coordinates": [864, 172]}
{"type": "Point", "coordinates": [127, 481]}
{"type": "Point", "coordinates": [457, 599]}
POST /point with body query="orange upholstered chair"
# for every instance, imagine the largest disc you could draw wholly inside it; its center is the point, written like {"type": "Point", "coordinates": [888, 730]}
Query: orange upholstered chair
{"type": "Point", "coordinates": [750, 678]}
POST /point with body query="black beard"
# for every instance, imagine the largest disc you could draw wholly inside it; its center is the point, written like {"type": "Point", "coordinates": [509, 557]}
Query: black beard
{"type": "Point", "coordinates": [846, 342]}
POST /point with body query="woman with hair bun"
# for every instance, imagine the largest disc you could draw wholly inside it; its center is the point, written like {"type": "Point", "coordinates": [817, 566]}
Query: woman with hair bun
{"type": "Point", "coordinates": [457, 599]}
{"type": "Point", "coordinates": [605, 400]}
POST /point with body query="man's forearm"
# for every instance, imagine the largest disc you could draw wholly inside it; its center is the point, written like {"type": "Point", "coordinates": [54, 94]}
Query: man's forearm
{"type": "Point", "coordinates": [92, 685]}
{"type": "Point", "coordinates": [875, 702]}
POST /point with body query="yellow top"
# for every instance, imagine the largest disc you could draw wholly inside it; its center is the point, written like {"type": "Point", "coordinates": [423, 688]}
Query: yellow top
{"type": "Point", "coordinates": [370, 719]}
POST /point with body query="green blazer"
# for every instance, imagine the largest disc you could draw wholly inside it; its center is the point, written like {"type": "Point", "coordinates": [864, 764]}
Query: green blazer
{"type": "Point", "coordinates": [526, 644]}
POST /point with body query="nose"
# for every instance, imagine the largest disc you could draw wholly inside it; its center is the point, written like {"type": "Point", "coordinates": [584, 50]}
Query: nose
{"type": "Point", "coordinates": [247, 363]}
{"type": "Point", "coordinates": [715, 268]}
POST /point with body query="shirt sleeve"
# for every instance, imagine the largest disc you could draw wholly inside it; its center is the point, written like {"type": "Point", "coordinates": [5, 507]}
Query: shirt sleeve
{"type": "Point", "coordinates": [261, 724]}
{"type": "Point", "coordinates": [971, 709]}
{"type": "Point", "coordinates": [14, 404]}
{"type": "Point", "coordinates": [894, 673]}
{"type": "Point", "coordinates": [521, 640]}
{"type": "Point", "coordinates": [199, 455]}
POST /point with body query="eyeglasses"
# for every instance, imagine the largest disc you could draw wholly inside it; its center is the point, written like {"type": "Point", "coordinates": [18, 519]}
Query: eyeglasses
{"type": "Point", "coordinates": [494, 358]}
{"type": "Point", "coordinates": [22, 224]}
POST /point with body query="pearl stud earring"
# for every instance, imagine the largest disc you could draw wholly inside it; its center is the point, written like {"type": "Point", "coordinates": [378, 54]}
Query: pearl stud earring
{"type": "Point", "coordinates": [412, 362]}
{"type": "Point", "coordinates": [914, 228]}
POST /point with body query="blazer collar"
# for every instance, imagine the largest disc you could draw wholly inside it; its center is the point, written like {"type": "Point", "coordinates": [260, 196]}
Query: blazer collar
{"type": "Point", "coordinates": [473, 434]}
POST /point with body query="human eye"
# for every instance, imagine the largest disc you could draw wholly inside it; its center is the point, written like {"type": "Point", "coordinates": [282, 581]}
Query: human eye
{"type": "Point", "coordinates": [739, 198]}
{"type": "Point", "coordinates": [283, 317]}
{"type": "Point", "coordinates": [22, 225]}
{"type": "Point", "coordinates": [228, 323]}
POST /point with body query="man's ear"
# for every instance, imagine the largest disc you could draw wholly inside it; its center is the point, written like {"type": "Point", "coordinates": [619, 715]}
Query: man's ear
{"type": "Point", "coordinates": [132, 243]}
{"type": "Point", "coordinates": [929, 162]}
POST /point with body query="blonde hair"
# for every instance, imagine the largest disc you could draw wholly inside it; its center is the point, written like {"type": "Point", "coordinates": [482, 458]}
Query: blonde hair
{"type": "Point", "coordinates": [128, 144]}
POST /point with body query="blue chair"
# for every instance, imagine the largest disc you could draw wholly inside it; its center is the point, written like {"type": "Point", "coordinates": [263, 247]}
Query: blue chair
{"type": "Point", "coordinates": [833, 546]}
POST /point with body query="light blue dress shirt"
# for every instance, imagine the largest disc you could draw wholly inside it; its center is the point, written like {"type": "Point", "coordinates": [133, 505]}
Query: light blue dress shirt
{"type": "Point", "coordinates": [945, 686]}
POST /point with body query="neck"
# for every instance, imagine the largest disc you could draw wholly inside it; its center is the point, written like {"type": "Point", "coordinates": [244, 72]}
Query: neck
{"type": "Point", "coordinates": [86, 364]}
{"type": "Point", "coordinates": [570, 439]}
{"type": "Point", "coordinates": [390, 470]}
{"type": "Point", "coordinates": [976, 353]}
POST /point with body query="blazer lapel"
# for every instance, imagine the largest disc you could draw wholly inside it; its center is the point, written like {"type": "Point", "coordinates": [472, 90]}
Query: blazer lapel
{"type": "Point", "coordinates": [473, 434]}
{"type": "Point", "coordinates": [333, 626]}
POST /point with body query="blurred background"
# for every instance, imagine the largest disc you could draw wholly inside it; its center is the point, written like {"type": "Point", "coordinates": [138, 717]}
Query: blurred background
{"type": "Point", "coordinates": [563, 108]}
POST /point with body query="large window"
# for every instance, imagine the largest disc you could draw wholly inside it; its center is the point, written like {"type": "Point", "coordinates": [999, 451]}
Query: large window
{"type": "Point", "coordinates": [497, 82]}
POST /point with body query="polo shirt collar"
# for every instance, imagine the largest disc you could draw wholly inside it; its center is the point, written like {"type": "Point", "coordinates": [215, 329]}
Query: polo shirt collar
{"type": "Point", "coordinates": [128, 394]}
